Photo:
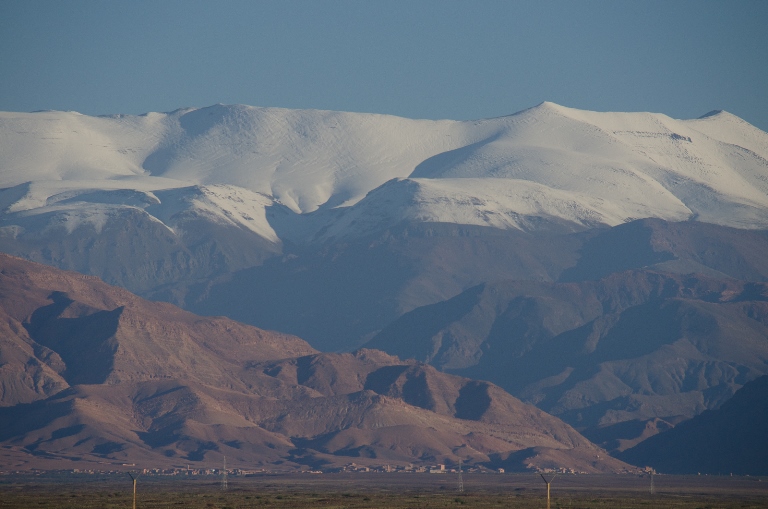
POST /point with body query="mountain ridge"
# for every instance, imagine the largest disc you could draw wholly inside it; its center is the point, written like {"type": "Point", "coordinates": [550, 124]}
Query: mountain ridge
{"type": "Point", "coordinates": [312, 161]}
{"type": "Point", "coordinates": [151, 384]}
{"type": "Point", "coordinates": [76, 191]}
{"type": "Point", "coordinates": [632, 346]}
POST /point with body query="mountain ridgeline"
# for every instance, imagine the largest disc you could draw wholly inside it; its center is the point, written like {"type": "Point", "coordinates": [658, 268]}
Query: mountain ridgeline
{"type": "Point", "coordinates": [92, 373]}
{"type": "Point", "coordinates": [609, 268]}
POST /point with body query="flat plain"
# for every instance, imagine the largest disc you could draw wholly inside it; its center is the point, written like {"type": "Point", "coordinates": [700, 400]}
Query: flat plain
{"type": "Point", "coordinates": [375, 490]}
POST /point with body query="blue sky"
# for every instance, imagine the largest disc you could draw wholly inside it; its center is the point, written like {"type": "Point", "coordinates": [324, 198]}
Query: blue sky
{"type": "Point", "coordinates": [417, 59]}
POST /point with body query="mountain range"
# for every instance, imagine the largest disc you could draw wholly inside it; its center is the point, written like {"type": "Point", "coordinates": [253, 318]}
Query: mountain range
{"type": "Point", "coordinates": [609, 268]}
{"type": "Point", "coordinates": [635, 346]}
{"type": "Point", "coordinates": [91, 373]}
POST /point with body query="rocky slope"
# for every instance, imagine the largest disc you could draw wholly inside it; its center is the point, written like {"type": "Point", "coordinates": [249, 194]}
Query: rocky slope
{"type": "Point", "coordinates": [634, 346]}
{"type": "Point", "coordinates": [729, 439]}
{"type": "Point", "coordinates": [92, 373]}
{"type": "Point", "coordinates": [422, 264]}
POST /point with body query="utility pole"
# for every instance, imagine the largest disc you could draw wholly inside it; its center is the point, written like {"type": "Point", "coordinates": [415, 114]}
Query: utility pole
{"type": "Point", "coordinates": [548, 483]}
{"type": "Point", "coordinates": [461, 479]}
{"type": "Point", "coordinates": [223, 477]}
{"type": "Point", "coordinates": [653, 489]}
{"type": "Point", "coordinates": [134, 479]}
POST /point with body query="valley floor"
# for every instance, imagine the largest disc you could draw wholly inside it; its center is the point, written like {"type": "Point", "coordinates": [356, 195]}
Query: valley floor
{"type": "Point", "coordinates": [396, 491]}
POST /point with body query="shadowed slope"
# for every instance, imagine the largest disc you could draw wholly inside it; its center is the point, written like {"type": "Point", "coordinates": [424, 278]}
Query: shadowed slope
{"type": "Point", "coordinates": [730, 439]}
{"type": "Point", "coordinates": [637, 345]}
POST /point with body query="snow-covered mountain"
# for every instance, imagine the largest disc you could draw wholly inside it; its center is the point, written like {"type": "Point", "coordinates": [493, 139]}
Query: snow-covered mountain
{"type": "Point", "coordinates": [334, 226]}
{"type": "Point", "coordinates": [304, 175]}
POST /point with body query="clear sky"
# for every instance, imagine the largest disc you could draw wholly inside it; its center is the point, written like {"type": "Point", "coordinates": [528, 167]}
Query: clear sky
{"type": "Point", "coordinates": [417, 59]}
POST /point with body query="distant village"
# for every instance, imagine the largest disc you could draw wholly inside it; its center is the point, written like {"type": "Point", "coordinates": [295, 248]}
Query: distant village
{"type": "Point", "coordinates": [242, 472]}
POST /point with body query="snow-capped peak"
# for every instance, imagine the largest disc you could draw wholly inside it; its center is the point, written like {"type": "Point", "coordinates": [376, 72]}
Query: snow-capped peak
{"type": "Point", "coordinates": [550, 161]}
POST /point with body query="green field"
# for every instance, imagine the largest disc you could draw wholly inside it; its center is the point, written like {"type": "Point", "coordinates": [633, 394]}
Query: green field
{"type": "Point", "coordinates": [397, 491]}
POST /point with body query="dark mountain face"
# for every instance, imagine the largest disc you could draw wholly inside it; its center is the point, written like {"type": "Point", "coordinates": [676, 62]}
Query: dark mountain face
{"type": "Point", "coordinates": [635, 346]}
{"type": "Point", "coordinates": [92, 373]}
{"type": "Point", "coordinates": [134, 251]}
{"type": "Point", "coordinates": [596, 349]}
{"type": "Point", "coordinates": [218, 269]}
{"type": "Point", "coordinates": [601, 349]}
{"type": "Point", "coordinates": [338, 295]}
{"type": "Point", "coordinates": [689, 247]}
{"type": "Point", "coordinates": [366, 284]}
{"type": "Point", "coordinates": [729, 439]}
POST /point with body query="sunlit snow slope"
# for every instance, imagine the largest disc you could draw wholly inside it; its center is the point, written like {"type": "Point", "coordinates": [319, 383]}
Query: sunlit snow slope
{"type": "Point", "coordinates": [346, 173]}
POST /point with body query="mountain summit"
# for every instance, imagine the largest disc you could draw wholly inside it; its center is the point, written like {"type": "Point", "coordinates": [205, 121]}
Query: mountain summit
{"type": "Point", "coordinates": [234, 164]}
